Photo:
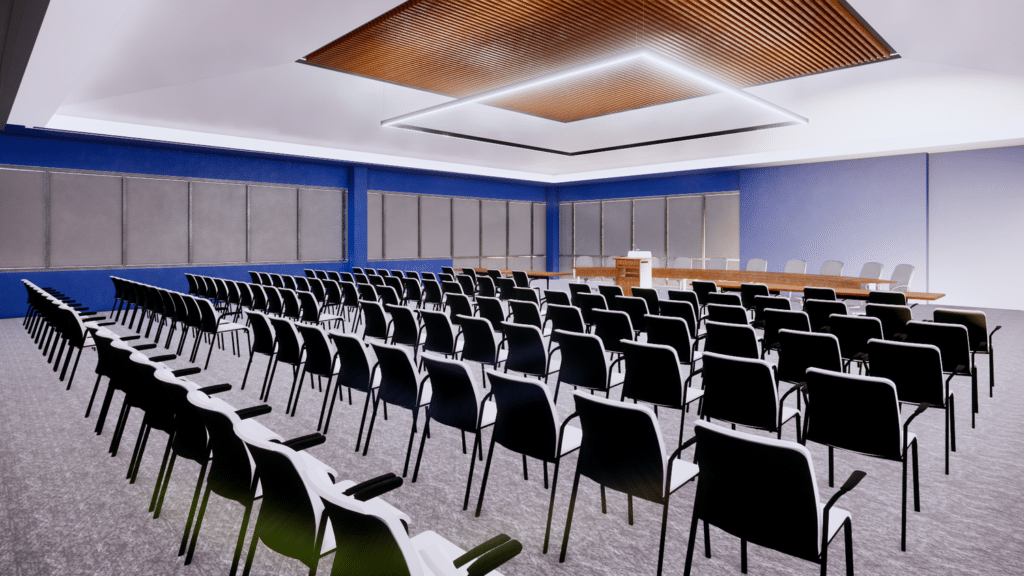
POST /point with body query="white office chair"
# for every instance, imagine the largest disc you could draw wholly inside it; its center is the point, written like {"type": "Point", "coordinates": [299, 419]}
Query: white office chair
{"type": "Point", "coordinates": [796, 266]}
{"type": "Point", "coordinates": [757, 265]}
{"type": "Point", "coordinates": [832, 268]}
{"type": "Point", "coordinates": [901, 277]}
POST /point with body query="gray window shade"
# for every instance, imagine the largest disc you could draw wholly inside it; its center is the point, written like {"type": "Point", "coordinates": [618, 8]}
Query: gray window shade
{"type": "Point", "coordinates": [540, 228]}
{"type": "Point", "coordinates": [435, 227]}
{"type": "Point", "coordinates": [22, 219]}
{"type": "Point", "coordinates": [649, 225]}
{"type": "Point", "coordinates": [520, 263]}
{"type": "Point", "coordinates": [374, 226]}
{"type": "Point", "coordinates": [320, 224]}
{"type": "Point", "coordinates": [465, 227]}
{"type": "Point", "coordinates": [218, 222]}
{"type": "Point", "coordinates": [157, 221]}
{"type": "Point", "coordinates": [722, 222]}
{"type": "Point", "coordinates": [565, 228]}
{"type": "Point", "coordinates": [494, 228]}
{"type": "Point", "coordinates": [686, 226]}
{"type": "Point", "coordinates": [618, 227]}
{"type": "Point", "coordinates": [540, 263]}
{"type": "Point", "coordinates": [460, 263]}
{"type": "Point", "coordinates": [587, 228]}
{"type": "Point", "coordinates": [85, 220]}
{"type": "Point", "coordinates": [401, 226]}
{"type": "Point", "coordinates": [273, 224]}
{"type": "Point", "coordinates": [520, 228]}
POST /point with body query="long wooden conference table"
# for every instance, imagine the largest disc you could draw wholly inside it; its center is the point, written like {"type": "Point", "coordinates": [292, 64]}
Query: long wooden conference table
{"type": "Point", "coordinates": [531, 274]}
{"type": "Point", "coordinates": [845, 286]}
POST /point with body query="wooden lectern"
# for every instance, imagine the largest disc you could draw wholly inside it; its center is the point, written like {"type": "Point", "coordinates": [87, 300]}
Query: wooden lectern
{"type": "Point", "coordinates": [632, 272]}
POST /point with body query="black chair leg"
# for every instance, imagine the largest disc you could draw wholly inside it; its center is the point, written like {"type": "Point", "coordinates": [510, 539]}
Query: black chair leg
{"type": "Point", "coordinates": [247, 366]}
{"type": "Point", "coordinates": [743, 555]}
{"type": "Point", "coordinates": [551, 505]}
{"type": "Point", "coordinates": [92, 397]}
{"type": "Point", "coordinates": [164, 468]}
{"type": "Point", "coordinates": [192, 510]}
{"type": "Point", "coordinates": [483, 483]}
{"type": "Point", "coordinates": [199, 524]}
{"type": "Point", "coordinates": [241, 542]}
{"type": "Point", "coordinates": [568, 519]}
{"type": "Point", "coordinates": [369, 431]}
{"type": "Point", "coordinates": [412, 436]}
{"type": "Point", "coordinates": [848, 532]}
{"type": "Point", "coordinates": [689, 546]}
{"type": "Point", "coordinates": [423, 438]}
{"type": "Point", "coordinates": [472, 464]}
{"type": "Point", "coordinates": [362, 422]}
{"type": "Point", "coordinates": [250, 555]}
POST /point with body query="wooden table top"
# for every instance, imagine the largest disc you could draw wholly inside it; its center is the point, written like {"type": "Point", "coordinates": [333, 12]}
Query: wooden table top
{"type": "Point", "coordinates": [532, 273]}
{"type": "Point", "coordinates": [856, 293]}
{"type": "Point", "coordinates": [781, 278]}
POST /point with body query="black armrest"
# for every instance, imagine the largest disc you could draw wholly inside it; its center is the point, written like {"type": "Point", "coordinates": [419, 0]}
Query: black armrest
{"type": "Point", "coordinates": [850, 484]}
{"type": "Point", "coordinates": [690, 377]}
{"type": "Point", "coordinates": [215, 389]}
{"type": "Point", "coordinates": [80, 308]}
{"type": "Point", "coordinates": [163, 358]}
{"type": "Point", "coordinates": [128, 338]}
{"type": "Point", "coordinates": [106, 323]}
{"type": "Point", "coordinates": [149, 346]}
{"type": "Point", "coordinates": [991, 334]}
{"type": "Point", "coordinates": [495, 558]}
{"type": "Point", "coordinates": [481, 550]}
{"type": "Point", "coordinates": [924, 406]}
{"type": "Point", "coordinates": [187, 371]}
{"type": "Point", "coordinates": [377, 489]}
{"type": "Point", "coordinates": [364, 485]}
{"type": "Point", "coordinates": [796, 386]}
{"type": "Point", "coordinates": [304, 442]}
{"type": "Point", "coordinates": [253, 411]}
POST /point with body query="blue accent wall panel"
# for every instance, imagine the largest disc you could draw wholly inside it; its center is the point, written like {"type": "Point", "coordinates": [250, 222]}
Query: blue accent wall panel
{"type": "Point", "coordinates": [453, 185]}
{"type": "Point", "coordinates": [855, 211]}
{"type": "Point", "coordinates": [652, 186]}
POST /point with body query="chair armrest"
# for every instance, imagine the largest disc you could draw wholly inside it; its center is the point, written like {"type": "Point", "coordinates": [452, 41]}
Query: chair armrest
{"type": "Point", "coordinates": [253, 411]}
{"type": "Point", "coordinates": [304, 442]}
{"type": "Point", "coordinates": [106, 323]}
{"type": "Point", "coordinates": [495, 558]}
{"type": "Point", "coordinates": [561, 433]}
{"type": "Point", "coordinates": [130, 338]}
{"type": "Point", "coordinates": [163, 358]}
{"type": "Point", "coordinates": [797, 386]}
{"type": "Point", "coordinates": [187, 371]}
{"type": "Point", "coordinates": [374, 488]}
{"type": "Point", "coordinates": [619, 360]}
{"type": "Point", "coordinates": [850, 484]}
{"type": "Point", "coordinates": [215, 389]}
{"type": "Point", "coordinates": [991, 334]}
{"type": "Point", "coordinates": [367, 483]}
{"type": "Point", "coordinates": [149, 346]}
{"type": "Point", "coordinates": [906, 425]}
{"type": "Point", "coordinates": [686, 384]}
{"type": "Point", "coordinates": [480, 550]}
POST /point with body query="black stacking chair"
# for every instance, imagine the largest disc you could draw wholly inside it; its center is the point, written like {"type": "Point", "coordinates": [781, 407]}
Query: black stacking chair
{"type": "Point", "coordinates": [576, 288]}
{"type": "Point", "coordinates": [396, 284]}
{"type": "Point", "coordinates": [287, 349]}
{"type": "Point", "coordinates": [357, 270]}
{"type": "Point", "coordinates": [490, 308]}
{"type": "Point", "coordinates": [333, 297]}
{"type": "Point", "coordinates": [442, 278]}
{"type": "Point", "coordinates": [610, 291]}
{"type": "Point", "coordinates": [557, 297]}
{"type": "Point", "coordinates": [431, 293]}
{"type": "Point", "coordinates": [622, 449]}
{"type": "Point", "coordinates": [441, 336]}
{"type": "Point", "coordinates": [387, 295]}
{"type": "Point", "coordinates": [376, 280]}
{"type": "Point", "coordinates": [894, 319]}
{"type": "Point", "coordinates": [750, 292]}
{"type": "Point", "coordinates": [683, 310]}
{"type": "Point", "coordinates": [588, 303]}
{"type": "Point", "coordinates": [853, 333]}
{"type": "Point", "coordinates": [361, 278]}
{"type": "Point", "coordinates": [778, 319]}
{"type": "Point", "coordinates": [685, 296]}
{"type": "Point", "coordinates": [287, 282]}
{"type": "Point", "coordinates": [978, 335]}
{"type": "Point", "coordinates": [953, 342]}
{"type": "Point", "coordinates": [506, 287]}
{"type": "Point", "coordinates": [468, 287]}
{"type": "Point", "coordinates": [613, 326]}
{"type": "Point", "coordinates": [350, 301]}
{"type": "Point", "coordinates": [800, 350]}
{"type": "Point", "coordinates": [653, 375]}
{"type": "Point", "coordinates": [428, 276]}
{"type": "Point", "coordinates": [456, 402]}
{"type": "Point", "coordinates": [566, 318]}
{"type": "Point", "coordinates": [262, 343]}
{"type": "Point", "coordinates": [674, 332]}
{"type": "Point", "coordinates": [290, 307]}
{"type": "Point", "coordinates": [413, 292]}
{"type": "Point", "coordinates": [404, 328]}
{"type": "Point", "coordinates": [457, 304]}
{"type": "Point", "coordinates": [479, 342]}
{"type": "Point", "coordinates": [762, 303]}
{"type": "Point", "coordinates": [579, 365]}
{"type": "Point", "coordinates": [302, 284]}
{"type": "Point", "coordinates": [727, 314]}
{"type": "Point", "coordinates": [818, 312]}
{"type": "Point", "coordinates": [400, 385]}
{"type": "Point", "coordinates": [485, 287]}
{"type": "Point", "coordinates": [320, 357]}
{"type": "Point", "coordinates": [340, 276]}
{"type": "Point", "coordinates": [636, 308]}
{"type": "Point", "coordinates": [916, 370]}
{"type": "Point", "coordinates": [355, 373]}
{"type": "Point", "coordinates": [311, 312]}
{"type": "Point", "coordinates": [816, 293]}
{"type": "Point", "coordinates": [731, 340]}
{"type": "Point", "coordinates": [777, 507]}
{"type": "Point", "coordinates": [525, 312]}
{"type": "Point", "coordinates": [701, 288]}
{"type": "Point", "coordinates": [526, 350]}
{"type": "Point", "coordinates": [527, 423]}
{"type": "Point", "coordinates": [448, 270]}
{"type": "Point", "coordinates": [275, 305]}
{"type": "Point", "coordinates": [651, 296]}
{"type": "Point", "coordinates": [862, 414]}
{"type": "Point", "coordinates": [214, 326]}
{"type": "Point", "coordinates": [724, 298]}
{"type": "Point", "coordinates": [743, 391]}
{"type": "Point", "coordinates": [376, 323]}
{"type": "Point", "coordinates": [887, 297]}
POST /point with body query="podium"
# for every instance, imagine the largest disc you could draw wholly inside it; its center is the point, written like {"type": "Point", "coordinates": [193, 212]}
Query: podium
{"type": "Point", "coordinates": [633, 271]}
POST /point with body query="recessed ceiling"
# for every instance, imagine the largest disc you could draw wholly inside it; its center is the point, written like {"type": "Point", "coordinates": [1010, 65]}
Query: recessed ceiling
{"type": "Point", "coordinates": [464, 48]}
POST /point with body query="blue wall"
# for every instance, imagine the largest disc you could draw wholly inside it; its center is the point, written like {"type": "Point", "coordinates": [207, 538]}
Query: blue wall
{"type": "Point", "coordinates": [855, 211]}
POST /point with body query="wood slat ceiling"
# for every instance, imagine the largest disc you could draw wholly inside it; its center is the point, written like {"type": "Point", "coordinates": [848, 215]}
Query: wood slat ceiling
{"type": "Point", "coordinates": [464, 47]}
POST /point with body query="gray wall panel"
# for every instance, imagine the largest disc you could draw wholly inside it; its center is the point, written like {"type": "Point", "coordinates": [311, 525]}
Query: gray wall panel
{"type": "Point", "coordinates": [686, 226]}
{"type": "Point", "coordinates": [460, 263]}
{"type": "Point", "coordinates": [539, 263]}
{"type": "Point", "coordinates": [565, 228]}
{"type": "Point", "coordinates": [22, 219]}
{"type": "Point", "coordinates": [522, 263]}
{"type": "Point", "coordinates": [465, 227]}
{"type": "Point", "coordinates": [218, 222]}
{"type": "Point", "coordinates": [539, 228]}
{"type": "Point", "coordinates": [273, 224]}
{"type": "Point", "coordinates": [722, 223]}
{"type": "Point", "coordinates": [494, 263]}
{"type": "Point", "coordinates": [157, 221]}
{"type": "Point", "coordinates": [618, 227]}
{"type": "Point", "coordinates": [320, 224]}
{"type": "Point", "coordinates": [374, 226]}
{"type": "Point", "coordinates": [85, 220]}
{"type": "Point", "coordinates": [520, 228]}
{"type": "Point", "coordinates": [649, 225]}
{"type": "Point", "coordinates": [587, 228]}
{"type": "Point", "coordinates": [401, 226]}
{"type": "Point", "coordinates": [435, 227]}
{"type": "Point", "coordinates": [493, 228]}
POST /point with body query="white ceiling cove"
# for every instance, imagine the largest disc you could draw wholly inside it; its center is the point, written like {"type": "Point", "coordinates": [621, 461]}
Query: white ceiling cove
{"type": "Point", "coordinates": [225, 73]}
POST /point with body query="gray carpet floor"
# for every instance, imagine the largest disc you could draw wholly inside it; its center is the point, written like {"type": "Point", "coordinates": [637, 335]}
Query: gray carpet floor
{"type": "Point", "coordinates": [66, 508]}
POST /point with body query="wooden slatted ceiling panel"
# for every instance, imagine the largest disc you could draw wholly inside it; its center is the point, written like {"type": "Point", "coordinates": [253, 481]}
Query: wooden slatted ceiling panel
{"type": "Point", "coordinates": [464, 47]}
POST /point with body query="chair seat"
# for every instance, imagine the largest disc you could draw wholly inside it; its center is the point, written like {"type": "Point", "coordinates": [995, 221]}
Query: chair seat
{"type": "Point", "coordinates": [836, 517]}
{"type": "Point", "coordinates": [693, 394]}
{"type": "Point", "coordinates": [229, 327]}
{"type": "Point", "coordinates": [490, 413]}
{"type": "Point", "coordinates": [682, 472]}
{"type": "Point", "coordinates": [254, 429]}
{"type": "Point", "coordinates": [910, 439]}
{"type": "Point", "coordinates": [438, 555]}
{"type": "Point", "coordinates": [788, 412]}
{"type": "Point", "coordinates": [571, 440]}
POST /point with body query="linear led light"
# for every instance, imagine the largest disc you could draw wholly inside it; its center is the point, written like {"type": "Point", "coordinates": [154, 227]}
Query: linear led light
{"type": "Point", "coordinates": [670, 65]}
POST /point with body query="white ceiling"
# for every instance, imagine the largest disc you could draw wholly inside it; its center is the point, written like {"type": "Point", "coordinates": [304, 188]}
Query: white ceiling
{"type": "Point", "coordinates": [224, 73]}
